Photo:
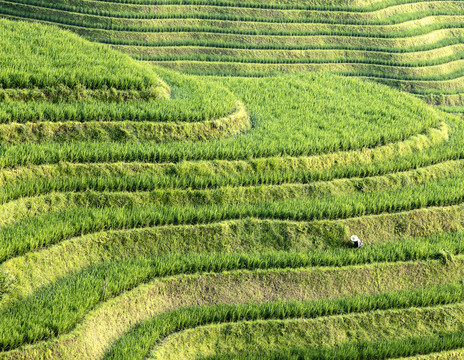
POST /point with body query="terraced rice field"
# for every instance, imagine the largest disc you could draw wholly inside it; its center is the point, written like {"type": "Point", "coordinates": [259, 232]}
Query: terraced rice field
{"type": "Point", "coordinates": [149, 214]}
{"type": "Point", "coordinates": [414, 45]}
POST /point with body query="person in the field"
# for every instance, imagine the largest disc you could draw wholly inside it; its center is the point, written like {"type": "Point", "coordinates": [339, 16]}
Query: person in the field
{"type": "Point", "coordinates": [356, 241]}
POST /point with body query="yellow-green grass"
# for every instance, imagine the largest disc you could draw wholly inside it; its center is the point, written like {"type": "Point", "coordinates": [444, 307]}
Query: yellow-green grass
{"type": "Point", "coordinates": [128, 10]}
{"type": "Point", "coordinates": [434, 39]}
{"type": "Point", "coordinates": [284, 4]}
{"type": "Point", "coordinates": [137, 342]}
{"type": "Point", "coordinates": [44, 132]}
{"type": "Point", "coordinates": [406, 41]}
{"type": "Point", "coordinates": [13, 210]}
{"type": "Point", "coordinates": [253, 236]}
{"type": "Point", "coordinates": [204, 174]}
{"type": "Point", "coordinates": [446, 355]}
{"type": "Point", "coordinates": [42, 103]}
{"type": "Point", "coordinates": [102, 326]}
{"type": "Point", "coordinates": [391, 15]}
{"type": "Point", "coordinates": [100, 235]}
{"type": "Point", "coordinates": [72, 18]}
{"type": "Point", "coordinates": [453, 109]}
{"type": "Point", "coordinates": [417, 58]}
{"type": "Point", "coordinates": [11, 175]}
{"type": "Point", "coordinates": [45, 62]}
{"type": "Point", "coordinates": [262, 336]}
{"type": "Point", "coordinates": [193, 100]}
{"type": "Point", "coordinates": [303, 130]}
{"type": "Point", "coordinates": [449, 100]}
{"type": "Point", "coordinates": [35, 232]}
{"type": "Point", "coordinates": [448, 71]}
{"type": "Point", "coordinates": [431, 345]}
{"type": "Point", "coordinates": [420, 87]}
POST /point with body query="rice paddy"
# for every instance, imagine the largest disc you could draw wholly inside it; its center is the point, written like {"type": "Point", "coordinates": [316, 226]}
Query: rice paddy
{"type": "Point", "coordinates": [413, 45]}
{"type": "Point", "coordinates": [207, 213]}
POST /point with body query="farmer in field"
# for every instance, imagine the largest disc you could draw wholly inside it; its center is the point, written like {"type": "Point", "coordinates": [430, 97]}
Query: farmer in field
{"type": "Point", "coordinates": [356, 241]}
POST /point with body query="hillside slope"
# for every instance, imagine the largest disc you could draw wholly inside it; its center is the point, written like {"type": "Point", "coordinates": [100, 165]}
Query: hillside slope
{"type": "Point", "coordinates": [62, 88]}
{"type": "Point", "coordinates": [413, 45]}
{"type": "Point", "coordinates": [214, 218]}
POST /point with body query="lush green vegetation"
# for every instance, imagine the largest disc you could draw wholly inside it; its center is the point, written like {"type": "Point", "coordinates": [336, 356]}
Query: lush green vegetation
{"type": "Point", "coordinates": [136, 343]}
{"type": "Point", "coordinates": [46, 61]}
{"type": "Point", "coordinates": [436, 347]}
{"type": "Point", "coordinates": [402, 42]}
{"type": "Point", "coordinates": [146, 213]}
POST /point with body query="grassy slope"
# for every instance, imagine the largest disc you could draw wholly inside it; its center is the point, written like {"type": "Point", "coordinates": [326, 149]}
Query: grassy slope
{"type": "Point", "coordinates": [99, 94]}
{"type": "Point", "coordinates": [325, 157]}
{"type": "Point", "coordinates": [45, 62]}
{"type": "Point", "coordinates": [404, 43]}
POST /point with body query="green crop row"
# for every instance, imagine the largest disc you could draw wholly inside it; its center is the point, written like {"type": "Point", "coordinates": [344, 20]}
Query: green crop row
{"type": "Point", "coordinates": [444, 99]}
{"type": "Point", "coordinates": [452, 109]}
{"type": "Point", "coordinates": [444, 72]}
{"type": "Point", "coordinates": [333, 5]}
{"type": "Point", "coordinates": [408, 29]}
{"type": "Point", "coordinates": [75, 295]}
{"type": "Point", "coordinates": [290, 59]}
{"type": "Point", "coordinates": [61, 93]}
{"type": "Point", "coordinates": [236, 287]}
{"type": "Point", "coordinates": [413, 347]}
{"type": "Point", "coordinates": [36, 232]}
{"type": "Point", "coordinates": [44, 68]}
{"type": "Point", "coordinates": [267, 335]}
{"type": "Point", "coordinates": [418, 58]}
{"type": "Point", "coordinates": [31, 271]}
{"type": "Point", "coordinates": [214, 44]}
{"type": "Point", "coordinates": [413, 153]}
{"type": "Point", "coordinates": [98, 236]}
{"type": "Point", "coordinates": [421, 87]}
{"type": "Point", "coordinates": [66, 177]}
{"type": "Point", "coordinates": [212, 13]}
{"type": "Point", "coordinates": [14, 211]}
{"type": "Point", "coordinates": [192, 100]}
{"type": "Point", "coordinates": [124, 131]}
{"type": "Point", "coordinates": [303, 129]}
{"type": "Point", "coordinates": [137, 343]}
{"type": "Point", "coordinates": [268, 41]}
{"type": "Point", "coordinates": [94, 335]}
{"type": "Point", "coordinates": [212, 103]}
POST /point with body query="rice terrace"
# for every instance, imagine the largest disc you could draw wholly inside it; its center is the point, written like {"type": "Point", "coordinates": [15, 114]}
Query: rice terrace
{"type": "Point", "coordinates": [231, 179]}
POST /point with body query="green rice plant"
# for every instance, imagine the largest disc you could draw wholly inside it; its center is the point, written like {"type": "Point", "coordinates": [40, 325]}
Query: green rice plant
{"type": "Point", "coordinates": [258, 68]}
{"type": "Point", "coordinates": [452, 109]}
{"type": "Point", "coordinates": [392, 48]}
{"type": "Point", "coordinates": [241, 236]}
{"type": "Point", "coordinates": [200, 53]}
{"type": "Point", "coordinates": [393, 16]}
{"type": "Point", "coordinates": [63, 93]}
{"type": "Point", "coordinates": [270, 26]}
{"type": "Point", "coordinates": [142, 270]}
{"type": "Point", "coordinates": [6, 283]}
{"type": "Point", "coordinates": [302, 130]}
{"type": "Point", "coordinates": [34, 180]}
{"type": "Point", "coordinates": [136, 343]}
{"type": "Point", "coordinates": [127, 275]}
{"type": "Point", "coordinates": [334, 5]}
{"type": "Point", "coordinates": [407, 29]}
{"type": "Point", "coordinates": [15, 210]}
{"type": "Point", "coordinates": [36, 232]}
{"type": "Point", "coordinates": [438, 346]}
{"type": "Point", "coordinates": [197, 101]}
{"type": "Point", "coordinates": [51, 56]}
{"type": "Point", "coordinates": [144, 301]}
{"type": "Point", "coordinates": [122, 131]}
{"type": "Point", "coordinates": [124, 196]}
